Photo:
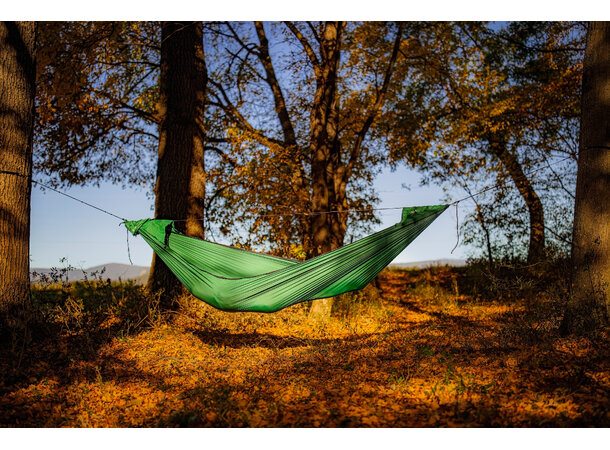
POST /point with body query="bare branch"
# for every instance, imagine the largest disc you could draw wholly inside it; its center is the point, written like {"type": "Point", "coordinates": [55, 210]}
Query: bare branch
{"type": "Point", "coordinates": [378, 103]}
{"type": "Point", "coordinates": [314, 31]}
{"type": "Point", "coordinates": [140, 112]}
{"type": "Point", "coordinates": [278, 96]}
{"type": "Point", "coordinates": [223, 155]}
{"type": "Point", "coordinates": [230, 109]}
{"type": "Point", "coordinates": [215, 140]}
{"type": "Point", "coordinates": [136, 131]}
{"type": "Point", "coordinates": [250, 48]}
{"type": "Point", "coordinates": [306, 46]}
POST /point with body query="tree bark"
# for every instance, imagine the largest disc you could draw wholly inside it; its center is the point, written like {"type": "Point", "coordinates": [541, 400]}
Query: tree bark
{"type": "Point", "coordinates": [589, 304]}
{"type": "Point", "coordinates": [536, 249]}
{"type": "Point", "coordinates": [17, 90]}
{"type": "Point", "coordinates": [180, 186]}
{"type": "Point", "coordinates": [325, 155]}
{"type": "Point", "coordinates": [330, 173]}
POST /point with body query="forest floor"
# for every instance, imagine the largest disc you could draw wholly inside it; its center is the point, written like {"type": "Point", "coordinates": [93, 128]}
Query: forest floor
{"type": "Point", "coordinates": [414, 353]}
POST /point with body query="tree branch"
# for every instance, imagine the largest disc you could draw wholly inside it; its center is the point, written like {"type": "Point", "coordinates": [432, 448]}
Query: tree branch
{"type": "Point", "coordinates": [250, 48]}
{"type": "Point", "coordinates": [223, 155]}
{"type": "Point", "coordinates": [140, 112]}
{"type": "Point", "coordinates": [314, 32]}
{"type": "Point", "coordinates": [306, 46]}
{"type": "Point", "coordinates": [227, 106]}
{"type": "Point", "coordinates": [378, 103]}
{"type": "Point", "coordinates": [278, 97]}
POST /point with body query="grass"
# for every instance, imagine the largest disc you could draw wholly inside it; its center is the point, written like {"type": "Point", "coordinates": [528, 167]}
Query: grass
{"type": "Point", "coordinates": [434, 347]}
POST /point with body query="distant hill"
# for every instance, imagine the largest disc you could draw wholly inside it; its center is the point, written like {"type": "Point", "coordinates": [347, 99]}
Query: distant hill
{"type": "Point", "coordinates": [432, 263]}
{"type": "Point", "coordinates": [114, 271]}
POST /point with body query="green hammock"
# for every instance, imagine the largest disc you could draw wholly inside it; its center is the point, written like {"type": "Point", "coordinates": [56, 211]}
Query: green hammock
{"type": "Point", "coordinates": [233, 279]}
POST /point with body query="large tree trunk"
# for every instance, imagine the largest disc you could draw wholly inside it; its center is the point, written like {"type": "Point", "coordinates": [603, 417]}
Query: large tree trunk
{"type": "Point", "coordinates": [17, 89]}
{"type": "Point", "coordinates": [536, 249]}
{"type": "Point", "coordinates": [325, 154]}
{"type": "Point", "coordinates": [180, 188]}
{"type": "Point", "coordinates": [589, 303]}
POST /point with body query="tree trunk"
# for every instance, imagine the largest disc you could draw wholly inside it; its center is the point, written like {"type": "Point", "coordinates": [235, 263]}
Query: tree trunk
{"type": "Point", "coordinates": [536, 249]}
{"type": "Point", "coordinates": [325, 154]}
{"type": "Point", "coordinates": [180, 187]}
{"type": "Point", "coordinates": [589, 303]}
{"type": "Point", "coordinates": [17, 90]}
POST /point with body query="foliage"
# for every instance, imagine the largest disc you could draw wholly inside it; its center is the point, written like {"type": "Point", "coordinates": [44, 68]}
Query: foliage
{"type": "Point", "coordinates": [97, 108]}
{"type": "Point", "coordinates": [78, 306]}
{"type": "Point", "coordinates": [96, 102]}
{"type": "Point", "coordinates": [65, 306]}
{"type": "Point", "coordinates": [473, 86]}
{"type": "Point", "coordinates": [265, 101]}
{"type": "Point", "coordinates": [453, 87]}
{"type": "Point", "coordinates": [431, 354]}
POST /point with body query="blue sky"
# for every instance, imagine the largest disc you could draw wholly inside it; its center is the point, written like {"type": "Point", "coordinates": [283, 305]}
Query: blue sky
{"type": "Point", "coordinates": [64, 228]}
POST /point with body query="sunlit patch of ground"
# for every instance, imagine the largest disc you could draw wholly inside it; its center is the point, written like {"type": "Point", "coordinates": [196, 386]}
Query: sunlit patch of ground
{"type": "Point", "coordinates": [413, 358]}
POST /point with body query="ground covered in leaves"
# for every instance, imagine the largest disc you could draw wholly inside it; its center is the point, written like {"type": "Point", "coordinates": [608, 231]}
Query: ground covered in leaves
{"type": "Point", "coordinates": [413, 352]}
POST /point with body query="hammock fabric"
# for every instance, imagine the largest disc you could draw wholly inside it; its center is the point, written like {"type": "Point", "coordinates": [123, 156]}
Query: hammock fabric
{"type": "Point", "coordinates": [233, 279]}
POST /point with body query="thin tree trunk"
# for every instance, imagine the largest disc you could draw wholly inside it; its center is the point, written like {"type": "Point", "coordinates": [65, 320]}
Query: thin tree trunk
{"type": "Point", "coordinates": [17, 90]}
{"type": "Point", "coordinates": [180, 188]}
{"type": "Point", "coordinates": [536, 249]}
{"type": "Point", "coordinates": [589, 303]}
{"type": "Point", "coordinates": [324, 147]}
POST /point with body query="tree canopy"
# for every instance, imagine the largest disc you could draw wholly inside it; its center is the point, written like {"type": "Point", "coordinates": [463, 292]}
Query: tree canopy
{"type": "Point", "coordinates": [495, 104]}
{"type": "Point", "coordinates": [301, 117]}
{"type": "Point", "coordinates": [96, 102]}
